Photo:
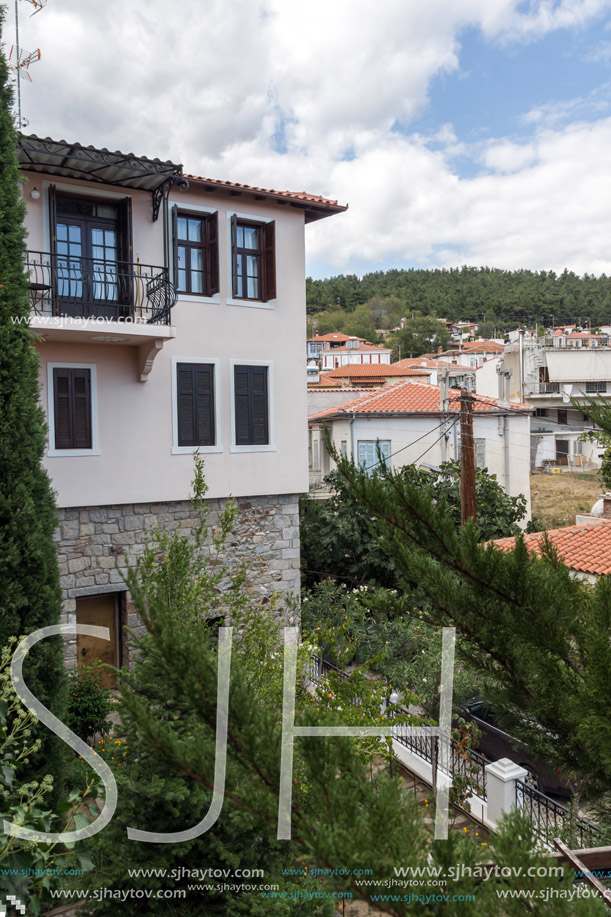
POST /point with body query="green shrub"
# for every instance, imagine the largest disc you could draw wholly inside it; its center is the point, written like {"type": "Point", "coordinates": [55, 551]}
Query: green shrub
{"type": "Point", "coordinates": [88, 702]}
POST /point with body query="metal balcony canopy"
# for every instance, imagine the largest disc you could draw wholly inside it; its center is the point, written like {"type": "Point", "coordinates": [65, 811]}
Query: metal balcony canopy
{"type": "Point", "coordinates": [73, 160]}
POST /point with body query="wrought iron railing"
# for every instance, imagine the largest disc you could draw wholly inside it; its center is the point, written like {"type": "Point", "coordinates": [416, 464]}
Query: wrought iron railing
{"type": "Point", "coordinates": [321, 667]}
{"type": "Point", "coordinates": [91, 288]}
{"type": "Point", "coordinates": [468, 764]}
{"type": "Point", "coordinates": [542, 388]}
{"type": "Point", "coordinates": [554, 820]}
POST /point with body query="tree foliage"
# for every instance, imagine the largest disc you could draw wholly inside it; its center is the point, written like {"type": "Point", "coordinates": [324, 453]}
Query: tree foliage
{"type": "Point", "coordinates": [340, 536]}
{"type": "Point", "coordinates": [498, 297]}
{"type": "Point", "coordinates": [29, 578]}
{"type": "Point", "coordinates": [539, 638]}
{"type": "Point", "coordinates": [420, 334]}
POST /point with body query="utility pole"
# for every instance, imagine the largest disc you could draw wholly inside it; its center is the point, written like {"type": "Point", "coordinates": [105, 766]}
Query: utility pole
{"type": "Point", "coordinates": [467, 457]}
{"type": "Point", "coordinates": [444, 407]}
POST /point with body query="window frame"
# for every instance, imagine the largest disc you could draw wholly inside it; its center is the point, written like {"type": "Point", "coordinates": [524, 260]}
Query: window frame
{"type": "Point", "coordinates": [252, 220]}
{"type": "Point", "coordinates": [369, 468]}
{"type": "Point", "coordinates": [205, 214]}
{"type": "Point", "coordinates": [53, 451]}
{"type": "Point", "coordinates": [271, 434]}
{"type": "Point", "coordinates": [190, 450]}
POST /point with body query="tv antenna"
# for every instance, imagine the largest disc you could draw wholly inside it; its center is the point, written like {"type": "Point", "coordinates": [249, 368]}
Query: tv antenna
{"type": "Point", "coordinates": [19, 61]}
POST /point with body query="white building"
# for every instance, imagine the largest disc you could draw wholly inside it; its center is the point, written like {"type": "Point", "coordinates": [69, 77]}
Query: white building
{"type": "Point", "coordinates": [335, 349]}
{"type": "Point", "coordinates": [158, 304]}
{"type": "Point", "coordinates": [549, 378]}
{"type": "Point", "coordinates": [410, 426]}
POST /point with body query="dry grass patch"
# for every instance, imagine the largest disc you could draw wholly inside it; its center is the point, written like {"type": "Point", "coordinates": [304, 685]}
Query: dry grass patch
{"type": "Point", "coordinates": [557, 498]}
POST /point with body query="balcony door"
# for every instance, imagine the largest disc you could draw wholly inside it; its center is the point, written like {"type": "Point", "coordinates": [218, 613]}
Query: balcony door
{"type": "Point", "coordinates": [91, 257]}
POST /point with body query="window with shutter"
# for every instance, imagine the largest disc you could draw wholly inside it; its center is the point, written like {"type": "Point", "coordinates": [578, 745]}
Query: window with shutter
{"type": "Point", "coordinates": [195, 404]}
{"type": "Point", "coordinates": [196, 252]}
{"type": "Point", "coordinates": [251, 405]}
{"type": "Point", "coordinates": [72, 408]}
{"type": "Point", "coordinates": [367, 453]}
{"type": "Point", "coordinates": [480, 453]}
{"type": "Point", "coordinates": [253, 259]}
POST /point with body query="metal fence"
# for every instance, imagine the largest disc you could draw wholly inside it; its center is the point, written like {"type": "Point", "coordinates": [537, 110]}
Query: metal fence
{"type": "Point", "coordinates": [430, 748]}
{"type": "Point", "coordinates": [554, 820]}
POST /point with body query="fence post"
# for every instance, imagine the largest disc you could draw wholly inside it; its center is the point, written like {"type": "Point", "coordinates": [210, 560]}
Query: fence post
{"type": "Point", "coordinates": [501, 779]}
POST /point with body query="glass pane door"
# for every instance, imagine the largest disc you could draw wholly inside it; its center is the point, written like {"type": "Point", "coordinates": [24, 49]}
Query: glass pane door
{"type": "Point", "coordinates": [104, 254]}
{"type": "Point", "coordinates": [69, 268]}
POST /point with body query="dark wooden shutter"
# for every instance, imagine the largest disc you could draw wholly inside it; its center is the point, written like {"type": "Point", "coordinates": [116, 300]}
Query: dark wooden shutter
{"type": "Point", "coordinates": [53, 246]}
{"type": "Point", "coordinates": [234, 256]}
{"type": "Point", "coordinates": [61, 406]}
{"type": "Point", "coordinates": [268, 257]}
{"type": "Point", "coordinates": [125, 229]}
{"type": "Point", "coordinates": [259, 405]}
{"type": "Point", "coordinates": [126, 247]}
{"type": "Point", "coordinates": [212, 254]}
{"type": "Point", "coordinates": [81, 385]}
{"type": "Point", "coordinates": [186, 404]}
{"type": "Point", "coordinates": [251, 406]}
{"type": "Point", "coordinates": [195, 404]}
{"type": "Point", "coordinates": [241, 386]}
{"type": "Point", "coordinates": [175, 243]}
{"type": "Point", "coordinates": [72, 408]}
{"type": "Point", "coordinates": [204, 407]}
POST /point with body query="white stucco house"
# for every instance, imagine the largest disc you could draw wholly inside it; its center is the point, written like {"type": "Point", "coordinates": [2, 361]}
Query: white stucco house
{"type": "Point", "coordinates": [158, 301]}
{"type": "Point", "coordinates": [337, 349]}
{"type": "Point", "coordinates": [412, 425]}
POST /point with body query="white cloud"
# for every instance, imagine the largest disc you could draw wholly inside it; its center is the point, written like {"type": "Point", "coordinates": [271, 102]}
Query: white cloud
{"type": "Point", "coordinates": [310, 96]}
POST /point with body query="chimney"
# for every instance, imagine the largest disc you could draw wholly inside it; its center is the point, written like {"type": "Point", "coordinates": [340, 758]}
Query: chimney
{"type": "Point", "coordinates": [607, 506]}
{"type": "Point", "coordinates": [440, 350]}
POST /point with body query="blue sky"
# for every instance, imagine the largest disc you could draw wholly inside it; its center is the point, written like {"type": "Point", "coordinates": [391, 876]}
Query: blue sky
{"type": "Point", "coordinates": [459, 131]}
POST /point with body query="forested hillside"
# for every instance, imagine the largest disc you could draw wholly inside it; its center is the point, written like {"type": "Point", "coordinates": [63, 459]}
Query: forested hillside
{"type": "Point", "coordinates": [504, 298]}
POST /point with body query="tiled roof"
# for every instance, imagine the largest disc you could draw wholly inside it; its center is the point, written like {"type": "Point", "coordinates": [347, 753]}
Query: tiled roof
{"type": "Point", "coordinates": [333, 336]}
{"type": "Point", "coordinates": [317, 204]}
{"type": "Point", "coordinates": [376, 369]}
{"type": "Point", "coordinates": [363, 345]}
{"type": "Point", "coordinates": [584, 334]}
{"type": "Point", "coordinates": [478, 347]}
{"type": "Point", "coordinates": [433, 364]}
{"type": "Point", "coordinates": [415, 398]}
{"type": "Point", "coordinates": [586, 548]}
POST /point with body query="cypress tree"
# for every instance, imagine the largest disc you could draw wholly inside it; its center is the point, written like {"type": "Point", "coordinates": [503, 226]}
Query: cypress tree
{"type": "Point", "coordinates": [30, 596]}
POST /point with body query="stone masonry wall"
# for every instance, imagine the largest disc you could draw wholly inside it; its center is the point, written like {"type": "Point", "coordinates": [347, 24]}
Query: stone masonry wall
{"type": "Point", "coordinates": [96, 543]}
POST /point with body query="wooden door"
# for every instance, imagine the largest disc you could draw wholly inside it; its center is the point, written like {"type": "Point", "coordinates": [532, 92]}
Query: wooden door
{"type": "Point", "coordinates": [562, 451]}
{"type": "Point", "coordinates": [101, 611]}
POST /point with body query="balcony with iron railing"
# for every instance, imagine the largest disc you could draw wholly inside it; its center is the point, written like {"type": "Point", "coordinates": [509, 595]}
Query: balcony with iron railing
{"type": "Point", "coordinates": [112, 302]}
{"type": "Point", "coordinates": [536, 389]}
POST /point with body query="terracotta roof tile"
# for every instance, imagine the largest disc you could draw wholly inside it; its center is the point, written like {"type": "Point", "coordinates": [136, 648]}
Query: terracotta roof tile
{"type": "Point", "coordinates": [414, 398]}
{"type": "Point", "coordinates": [363, 346]}
{"type": "Point", "coordinates": [585, 548]}
{"type": "Point", "coordinates": [433, 364]}
{"type": "Point", "coordinates": [376, 369]}
{"type": "Point", "coordinates": [316, 200]}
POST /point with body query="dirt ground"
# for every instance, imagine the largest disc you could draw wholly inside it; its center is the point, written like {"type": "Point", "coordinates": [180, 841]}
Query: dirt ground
{"type": "Point", "coordinates": [557, 498]}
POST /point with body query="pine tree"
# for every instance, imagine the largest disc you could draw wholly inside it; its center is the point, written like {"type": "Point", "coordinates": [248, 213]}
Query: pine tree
{"type": "Point", "coordinates": [344, 818]}
{"type": "Point", "coordinates": [539, 638]}
{"type": "Point", "coordinates": [29, 580]}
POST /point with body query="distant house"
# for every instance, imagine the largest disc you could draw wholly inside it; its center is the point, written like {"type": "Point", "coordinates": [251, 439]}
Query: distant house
{"type": "Point", "coordinates": [336, 349]}
{"type": "Point", "coordinates": [578, 339]}
{"type": "Point", "coordinates": [459, 374]}
{"type": "Point", "coordinates": [472, 354]}
{"type": "Point", "coordinates": [412, 425]}
{"type": "Point", "coordinates": [551, 378]}
{"type": "Point", "coordinates": [373, 375]}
